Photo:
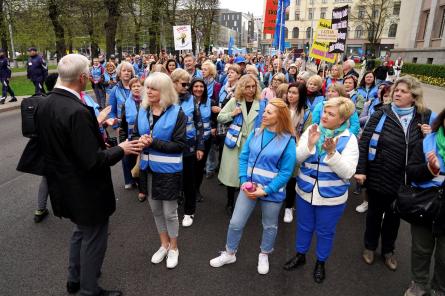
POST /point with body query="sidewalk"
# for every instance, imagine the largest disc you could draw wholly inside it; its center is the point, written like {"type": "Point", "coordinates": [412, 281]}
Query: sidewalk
{"type": "Point", "coordinates": [19, 74]}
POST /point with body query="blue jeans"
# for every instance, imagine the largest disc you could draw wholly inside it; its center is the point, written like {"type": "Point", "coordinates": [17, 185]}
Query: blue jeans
{"type": "Point", "coordinates": [128, 162]}
{"type": "Point", "coordinates": [243, 209]}
{"type": "Point", "coordinates": [212, 158]}
{"type": "Point", "coordinates": [319, 219]}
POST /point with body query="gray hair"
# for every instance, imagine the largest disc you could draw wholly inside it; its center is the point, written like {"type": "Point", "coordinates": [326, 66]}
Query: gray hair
{"type": "Point", "coordinates": [164, 85]}
{"type": "Point", "coordinates": [126, 65]}
{"type": "Point", "coordinates": [350, 62]}
{"type": "Point", "coordinates": [71, 66]}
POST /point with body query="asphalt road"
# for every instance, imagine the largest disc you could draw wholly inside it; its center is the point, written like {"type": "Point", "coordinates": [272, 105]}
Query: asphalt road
{"type": "Point", "coordinates": [34, 257]}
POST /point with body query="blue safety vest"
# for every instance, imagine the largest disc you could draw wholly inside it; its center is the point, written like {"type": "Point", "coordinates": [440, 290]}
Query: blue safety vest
{"type": "Point", "coordinates": [262, 166]}
{"type": "Point", "coordinates": [234, 130]}
{"type": "Point", "coordinates": [96, 73]}
{"type": "Point", "coordinates": [131, 112]}
{"type": "Point", "coordinates": [372, 150]}
{"type": "Point", "coordinates": [368, 94]}
{"type": "Point", "coordinates": [315, 170]}
{"type": "Point", "coordinates": [210, 88]}
{"type": "Point", "coordinates": [329, 82]}
{"type": "Point", "coordinates": [206, 112]}
{"type": "Point", "coordinates": [188, 107]}
{"type": "Point", "coordinates": [317, 100]}
{"type": "Point", "coordinates": [138, 69]}
{"type": "Point", "coordinates": [160, 162]}
{"type": "Point", "coordinates": [107, 79]}
{"type": "Point", "coordinates": [90, 102]}
{"type": "Point", "coordinates": [429, 144]}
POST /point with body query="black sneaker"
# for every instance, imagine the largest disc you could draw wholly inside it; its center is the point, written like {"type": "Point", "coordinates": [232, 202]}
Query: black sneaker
{"type": "Point", "coordinates": [39, 215]}
{"type": "Point", "coordinates": [72, 287]}
{"type": "Point", "coordinates": [296, 261]}
{"type": "Point", "coordinates": [2, 101]}
{"type": "Point", "coordinates": [14, 99]}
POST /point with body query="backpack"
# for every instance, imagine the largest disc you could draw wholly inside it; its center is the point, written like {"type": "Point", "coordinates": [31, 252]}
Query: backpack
{"type": "Point", "coordinates": [28, 109]}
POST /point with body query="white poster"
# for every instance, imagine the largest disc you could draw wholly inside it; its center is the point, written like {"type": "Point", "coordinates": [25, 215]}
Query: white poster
{"type": "Point", "coordinates": [183, 37]}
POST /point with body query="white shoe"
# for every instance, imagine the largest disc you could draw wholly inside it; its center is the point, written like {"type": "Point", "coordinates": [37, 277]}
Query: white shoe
{"type": "Point", "coordinates": [263, 263]}
{"type": "Point", "coordinates": [288, 215]}
{"type": "Point", "coordinates": [172, 258]}
{"type": "Point", "coordinates": [187, 221]}
{"type": "Point", "coordinates": [223, 259]}
{"type": "Point", "coordinates": [362, 208]}
{"type": "Point", "coordinates": [128, 186]}
{"type": "Point", "coordinates": [159, 255]}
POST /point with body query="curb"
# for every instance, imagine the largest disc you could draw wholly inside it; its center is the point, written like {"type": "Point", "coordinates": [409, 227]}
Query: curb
{"type": "Point", "coordinates": [9, 108]}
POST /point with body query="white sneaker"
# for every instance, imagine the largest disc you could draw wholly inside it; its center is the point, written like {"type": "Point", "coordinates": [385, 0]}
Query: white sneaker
{"type": "Point", "coordinates": [128, 186]}
{"type": "Point", "coordinates": [362, 208]}
{"type": "Point", "coordinates": [187, 221]}
{"type": "Point", "coordinates": [263, 263]}
{"type": "Point", "coordinates": [172, 258]}
{"type": "Point", "coordinates": [159, 255]}
{"type": "Point", "coordinates": [288, 215]}
{"type": "Point", "coordinates": [223, 259]}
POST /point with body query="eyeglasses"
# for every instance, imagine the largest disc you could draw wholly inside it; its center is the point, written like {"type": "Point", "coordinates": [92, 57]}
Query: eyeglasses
{"type": "Point", "coordinates": [250, 86]}
{"type": "Point", "coordinates": [185, 84]}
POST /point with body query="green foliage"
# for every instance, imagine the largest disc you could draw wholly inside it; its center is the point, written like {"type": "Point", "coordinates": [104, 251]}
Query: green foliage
{"type": "Point", "coordinates": [437, 71]}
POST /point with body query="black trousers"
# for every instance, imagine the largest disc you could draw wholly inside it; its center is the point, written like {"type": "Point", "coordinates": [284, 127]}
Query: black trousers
{"type": "Point", "coordinates": [290, 193]}
{"type": "Point", "coordinates": [188, 183]}
{"type": "Point", "coordinates": [378, 225]}
{"type": "Point", "coordinates": [201, 164]}
{"type": "Point", "coordinates": [87, 252]}
{"type": "Point", "coordinates": [6, 88]}
{"type": "Point", "coordinates": [38, 87]}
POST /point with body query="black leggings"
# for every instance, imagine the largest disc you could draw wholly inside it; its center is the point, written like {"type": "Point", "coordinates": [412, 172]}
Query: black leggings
{"type": "Point", "coordinates": [188, 184]}
{"type": "Point", "coordinates": [290, 192]}
{"type": "Point", "coordinates": [201, 164]}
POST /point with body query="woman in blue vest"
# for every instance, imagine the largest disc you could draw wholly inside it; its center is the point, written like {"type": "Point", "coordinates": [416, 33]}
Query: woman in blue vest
{"type": "Point", "coordinates": [314, 95]}
{"type": "Point", "coordinates": [328, 154]}
{"type": "Point", "coordinates": [301, 119]}
{"type": "Point", "coordinates": [110, 77]}
{"type": "Point", "coordinates": [367, 87]}
{"type": "Point", "coordinates": [426, 169]}
{"type": "Point", "coordinates": [195, 142]}
{"type": "Point", "coordinates": [97, 78]}
{"type": "Point", "coordinates": [336, 76]}
{"type": "Point", "coordinates": [199, 93]}
{"type": "Point", "coordinates": [350, 82]}
{"type": "Point", "coordinates": [266, 163]}
{"type": "Point", "coordinates": [241, 112]}
{"type": "Point", "coordinates": [128, 120]}
{"type": "Point", "coordinates": [386, 144]}
{"type": "Point", "coordinates": [118, 96]}
{"type": "Point", "coordinates": [161, 125]}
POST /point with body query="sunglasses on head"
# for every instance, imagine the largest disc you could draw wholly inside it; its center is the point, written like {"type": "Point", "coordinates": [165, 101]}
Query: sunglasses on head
{"type": "Point", "coordinates": [185, 84]}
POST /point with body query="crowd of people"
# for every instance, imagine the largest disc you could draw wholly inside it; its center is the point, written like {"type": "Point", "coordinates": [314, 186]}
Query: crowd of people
{"type": "Point", "coordinates": [274, 130]}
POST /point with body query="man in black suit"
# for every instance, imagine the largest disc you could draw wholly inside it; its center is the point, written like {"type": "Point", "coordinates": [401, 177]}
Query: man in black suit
{"type": "Point", "coordinates": [77, 167]}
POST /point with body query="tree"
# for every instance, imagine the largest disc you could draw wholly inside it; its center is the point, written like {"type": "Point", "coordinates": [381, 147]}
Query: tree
{"type": "Point", "coordinates": [3, 29]}
{"type": "Point", "coordinates": [374, 15]}
{"type": "Point", "coordinates": [114, 11]}
{"type": "Point", "coordinates": [54, 11]}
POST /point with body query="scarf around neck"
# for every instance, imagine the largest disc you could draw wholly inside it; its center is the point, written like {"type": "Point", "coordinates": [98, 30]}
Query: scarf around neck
{"type": "Point", "coordinates": [440, 141]}
{"type": "Point", "coordinates": [327, 133]}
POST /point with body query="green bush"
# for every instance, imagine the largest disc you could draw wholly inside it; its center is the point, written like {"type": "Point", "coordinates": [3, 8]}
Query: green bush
{"type": "Point", "coordinates": [437, 71]}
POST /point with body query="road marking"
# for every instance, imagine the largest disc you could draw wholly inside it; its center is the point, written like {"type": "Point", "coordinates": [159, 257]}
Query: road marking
{"type": "Point", "coordinates": [12, 180]}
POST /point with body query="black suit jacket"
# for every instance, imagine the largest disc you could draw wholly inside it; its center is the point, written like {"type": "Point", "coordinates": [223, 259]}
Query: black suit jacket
{"type": "Point", "coordinates": [76, 161]}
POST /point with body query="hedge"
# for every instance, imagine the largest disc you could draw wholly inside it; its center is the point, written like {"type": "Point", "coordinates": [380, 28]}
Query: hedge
{"type": "Point", "coordinates": [434, 71]}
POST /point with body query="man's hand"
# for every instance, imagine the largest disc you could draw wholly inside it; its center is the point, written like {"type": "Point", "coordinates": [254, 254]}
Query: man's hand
{"type": "Point", "coordinates": [131, 147]}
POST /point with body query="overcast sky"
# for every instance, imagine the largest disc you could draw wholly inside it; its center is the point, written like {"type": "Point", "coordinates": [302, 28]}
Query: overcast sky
{"type": "Point", "coordinates": [254, 6]}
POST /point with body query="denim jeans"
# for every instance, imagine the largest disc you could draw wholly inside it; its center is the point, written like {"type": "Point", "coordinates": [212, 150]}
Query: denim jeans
{"type": "Point", "coordinates": [243, 209]}
{"type": "Point", "coordinates": [128, 162]}
{"type": "Point", "coordinates": [212, 158]}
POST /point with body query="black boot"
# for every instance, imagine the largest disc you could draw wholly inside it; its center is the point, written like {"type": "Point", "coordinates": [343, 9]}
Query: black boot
{"type": "Point", "coordinates": [2, 101]}
{"type": "Point", "coordinates": [14, 99]}
{"type": "Point", "coordinates": [298, 260]}
{"type": "Point", "coordinates": [319, 272]}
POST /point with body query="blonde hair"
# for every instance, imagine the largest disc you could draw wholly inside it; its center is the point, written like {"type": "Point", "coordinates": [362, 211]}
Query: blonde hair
{"type": "Point", "coordinates": [252, 68]}
{"type": "Point", "coordinates": [241, 86]}
{"type": "Point", "coordinates": [345, 106]}
{"type": "Point", "coordinates": [340, 70]}
{"type": "Point", "coordinates": [161, 82]}
{"type": "Point", "coordinates": [282, 90]}
{"type": "Point", "coordinates": [340, 88]}
{"type": "Point", "coordinates": [180, 74]}
{"type": "Point", "coordinates": [280, 76]}
{"type": "Point", "coordinates": [415, 88]}
{"type": "Point", "coordinates": [315, 79]}
{"type": "Point", "coordinates": [212, 68]}
{"type": "Point", "coordinates": [234, 67]}
{"type": "Point", "coordinates": [284, 122]}
{"type": "Point", "coordinates": [125, 64]}
{"type": "Point", "coordinates": [159, 68]}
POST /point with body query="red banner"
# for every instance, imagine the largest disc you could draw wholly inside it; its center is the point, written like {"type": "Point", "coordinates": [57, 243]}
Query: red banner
{"type": "Point", "coordinates": [270, 16]}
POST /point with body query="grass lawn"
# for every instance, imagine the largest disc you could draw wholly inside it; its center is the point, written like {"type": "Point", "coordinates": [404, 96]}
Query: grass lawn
{"type": "Point", "coordinates": [22, 69]}
{"type": "Point", "coordinates": [24, 87]}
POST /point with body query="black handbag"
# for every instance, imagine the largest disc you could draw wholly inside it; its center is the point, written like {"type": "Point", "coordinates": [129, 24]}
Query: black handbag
{"type": "Point", "coordinates": [418, 205]}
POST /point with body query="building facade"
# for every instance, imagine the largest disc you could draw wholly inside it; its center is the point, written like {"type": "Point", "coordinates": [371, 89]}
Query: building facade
{"type": "Point", "coordinates": [238, 22]}
{"type": "Point", "coordinates": [421, 37]}
{"type": "Point", "coordinates": [303, 15]}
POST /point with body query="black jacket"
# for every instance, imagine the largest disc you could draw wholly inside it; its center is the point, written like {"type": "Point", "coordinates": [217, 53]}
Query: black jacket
{"type": "Point", "coordinates": [77, 164]}
{"type": "Point", "coordinates": [167, 186]}
{"type": "Point", "coordinates": [386, 172]}
{"type": "Point", "coordinates": [417, 171]}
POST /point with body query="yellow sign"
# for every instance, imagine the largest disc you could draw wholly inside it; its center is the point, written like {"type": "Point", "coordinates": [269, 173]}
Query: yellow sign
{"type": "Point", "coordinates": [327, 35]}
{"type": "Point", "coordinates": [320, 48]}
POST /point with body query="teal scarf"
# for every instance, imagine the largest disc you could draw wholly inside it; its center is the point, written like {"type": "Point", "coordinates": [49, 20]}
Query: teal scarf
{"type": "Point", "coordinates": [402, 111]}
{"type": "Point", "coordinates": [440, 141]}
{"type": "Point", "coordinates": [327, 133]}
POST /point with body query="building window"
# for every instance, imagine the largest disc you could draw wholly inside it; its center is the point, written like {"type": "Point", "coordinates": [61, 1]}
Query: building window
{"type": "Point", "coordinates": [308, 33]}
{"type": "Point", "coordinates": [442, 24]}
{"type": "Point", "coordinates": [324, 1]}
{"type": "Point", "coordinates": [429, 61]}
{"type": "Point", "coordinates": [295, 33]}
{"type": "Point", "coordinates": [396, 9]}
{"type": "Point", "coordinates": [361, 12]}
{"type": "Point", "coordinates": [311, 2]}
{"type": "Point", "coordinates": [298, 2]}
{"type": "Point", "coordinates": [310, 14]}
{"type": "Point", "coordinates": [392, 30]}
{"type": "Point", "coordinates": [287, 16]}
{"type": "Point", "coordinates": [423, 23]}
{"type": "Point", "coordinates": [323, 13]}
{"type": "Point", "coordinates": [358, 32]}
{"type": "Point", "coordinates": [235, 23]}
{"type": "Point", "coordinates": [297, 16]}
{"type": "Point", "coordinates": [414, 60]}
{"type": "Point", "coordinates": [286, 32]}
{"type": "Point", "coordinates": [375, 13]}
